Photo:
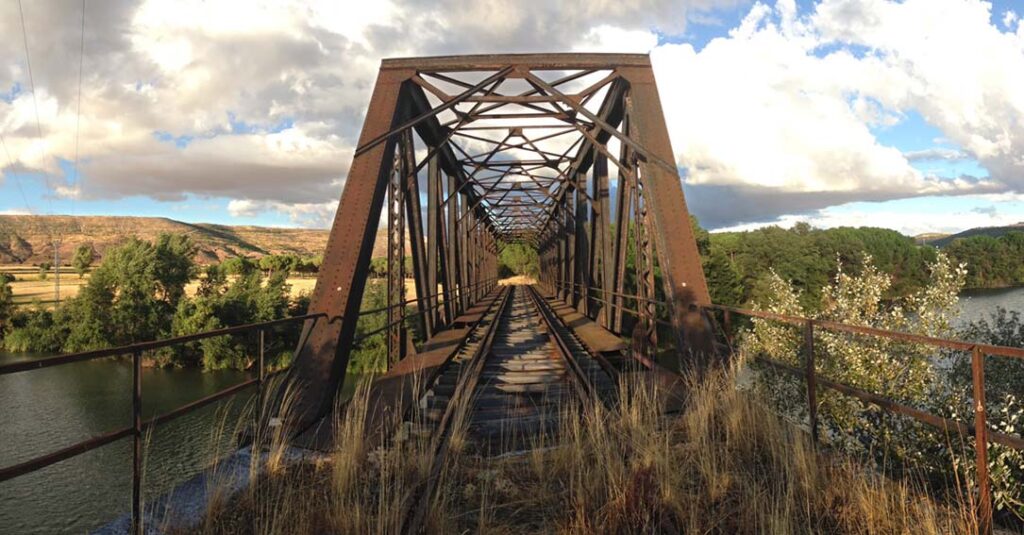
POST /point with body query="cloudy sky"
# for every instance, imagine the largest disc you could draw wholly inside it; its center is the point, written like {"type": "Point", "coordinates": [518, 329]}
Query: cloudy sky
{"type": "Point", "coordinates": [908, 115]}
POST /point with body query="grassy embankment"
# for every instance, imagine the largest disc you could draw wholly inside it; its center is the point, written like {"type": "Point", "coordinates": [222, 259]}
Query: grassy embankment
{"type": "Point", "coordinates": [725, 465]}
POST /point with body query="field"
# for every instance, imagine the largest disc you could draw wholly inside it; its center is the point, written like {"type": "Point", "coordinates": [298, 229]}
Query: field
{"type": "Point", "coordinates": [29, 289]}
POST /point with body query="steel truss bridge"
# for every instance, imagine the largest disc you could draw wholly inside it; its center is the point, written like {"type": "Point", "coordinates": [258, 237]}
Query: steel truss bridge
{"type": "Point", "coordinates": [568, 154]}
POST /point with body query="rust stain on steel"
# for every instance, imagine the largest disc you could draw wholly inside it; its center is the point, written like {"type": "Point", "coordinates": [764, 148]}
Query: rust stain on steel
{"type": "Point", "coordinates": [553, 198]}
{"type": "Point", "coordinates": [675, 244]}
{"type": "Point", "coordinates": [319, 367]}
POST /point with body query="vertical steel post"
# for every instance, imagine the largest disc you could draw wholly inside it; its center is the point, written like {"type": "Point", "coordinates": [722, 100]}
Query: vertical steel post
{"type": "Point", "coordinates": [260, 377]}
{"type": "Point", "coordinates": [137, 443]}
{"type": "Point", "coordinates": [812, 380]}
{"type": "Point", "coordinates": [414, 219]}
{"type": "Point", "coordinates": [622, 218]}
{"type": "Point", "coordinates": [396, 259]}
{"type": "Point", "coordinates": [452, 242]}
{"type": "Point", "coordinates": [602, 236]}
{"type": "Point", "coordinates": [981, 442]}
{"type": "Point", "coordinates": [433, 220]}
{"type": "Point", "coordinates": [727, 324]}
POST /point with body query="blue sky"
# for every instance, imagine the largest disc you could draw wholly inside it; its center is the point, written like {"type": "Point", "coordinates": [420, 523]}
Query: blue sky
{"type": "Point", "coordinates": [836, 112]}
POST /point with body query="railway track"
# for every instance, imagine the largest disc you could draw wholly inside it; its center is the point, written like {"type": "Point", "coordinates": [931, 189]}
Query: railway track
{"type": "Point", "coordinates": [507, 388]}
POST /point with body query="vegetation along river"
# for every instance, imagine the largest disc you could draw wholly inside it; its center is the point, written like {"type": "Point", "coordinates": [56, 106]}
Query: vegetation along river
{"type": "Point", "coordinates": [44, 410]}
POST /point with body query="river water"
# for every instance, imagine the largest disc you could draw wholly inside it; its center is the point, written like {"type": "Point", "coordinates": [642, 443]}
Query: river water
{"type": "Point", "coordinates": [44, 410]}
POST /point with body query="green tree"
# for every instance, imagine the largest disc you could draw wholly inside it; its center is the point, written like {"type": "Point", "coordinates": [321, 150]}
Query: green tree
{"type": "Point", "coordinates": [130, 297]}
{"type": "Point", "coordinates": [239, 265]}
{"type": "Point", "coordinates": [272, 264]}
{"type": "Point", "coordinates": [379, 267]}
{"type": "Point", "coordinates": [82, 260]}
{"type": "Point", "coordinates": [213, 280]}
{"type": "Point", "coordinates": [6, 303]}
{"type": "Point", "coordinates": [518, 259]}
{"type": "Point", "coordinates": [44, 270]}
{"type": "Point", "coordinates": [173, 265]}
{"type": "Point", "coordinates": [245, 300]}
{"type": "Point", "coordinates": [724, 283]}
{"type": "Point", "coordinates": [35, 331]}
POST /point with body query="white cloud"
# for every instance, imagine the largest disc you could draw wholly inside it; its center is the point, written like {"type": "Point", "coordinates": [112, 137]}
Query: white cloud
{"type": "Point", "coordinates": [766, 112]}
{"type": "Point", "coordinates": [218, 76]}
{"type": "Point", "coordinates": [909, 222]}
{"type": "Point", "coordinates": [606, 38]}
{"type": "Point", "coordinates": [317, 215]}
{"type": "Point", "coordinates": [268, 97]}
{"type": "Point", "coordinates": [1009, 19]}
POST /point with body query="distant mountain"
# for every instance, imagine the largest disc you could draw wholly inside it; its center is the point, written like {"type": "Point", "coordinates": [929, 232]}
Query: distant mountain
{"type": "Point", "coordinates": [929, 237]}
{"type": "Point", "coordinates": [26, 239]}
{"type": "Point", "coordinates": [942, 240]}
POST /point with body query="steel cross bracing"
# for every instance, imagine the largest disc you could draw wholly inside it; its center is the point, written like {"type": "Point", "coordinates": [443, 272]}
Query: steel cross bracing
{"type": "Point", "coordinates": [567, 153]}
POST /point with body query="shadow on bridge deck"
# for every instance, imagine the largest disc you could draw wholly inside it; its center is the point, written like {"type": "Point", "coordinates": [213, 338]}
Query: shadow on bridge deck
{"type": "Point", "coordinates": [392, 394]}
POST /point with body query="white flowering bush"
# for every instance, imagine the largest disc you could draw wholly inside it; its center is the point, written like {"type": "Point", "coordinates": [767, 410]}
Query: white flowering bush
{"type": "Point", "coordinates": [912, 374]}
{"type": "Point", "coordinates": [1004, 386]}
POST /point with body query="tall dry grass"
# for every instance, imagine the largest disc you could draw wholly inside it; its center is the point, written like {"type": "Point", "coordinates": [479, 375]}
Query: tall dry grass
{"type": "Point", "coordinates": [724, 465]}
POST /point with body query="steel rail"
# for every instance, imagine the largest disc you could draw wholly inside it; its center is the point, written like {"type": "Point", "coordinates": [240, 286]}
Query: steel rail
{"type": "Point", "coordinates": [585, 388]}
{"type": "Point", "coordinates": [441, 440]}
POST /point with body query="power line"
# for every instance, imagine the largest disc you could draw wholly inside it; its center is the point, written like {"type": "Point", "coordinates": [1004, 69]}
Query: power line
{"type": "Point", "coordinates": [32, 87]}
{"type": "Point", "coordinates": [39, 135]}
{"type": "Point", "coordinates": [78, 119]}
{"type": "Point", "coordinates": [17, 180]}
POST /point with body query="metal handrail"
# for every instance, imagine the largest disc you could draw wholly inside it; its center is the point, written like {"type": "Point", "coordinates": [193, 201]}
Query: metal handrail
{"type": "Point", "coordinates": [978, 428]}
{"type": "Point", "coordinates": [139, 426]}
{"type": "Point", "coordinates": [148, 346]}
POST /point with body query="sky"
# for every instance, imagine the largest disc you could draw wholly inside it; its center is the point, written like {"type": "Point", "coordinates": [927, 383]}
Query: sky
{"type": "Point", "coordinates": [907, 115]}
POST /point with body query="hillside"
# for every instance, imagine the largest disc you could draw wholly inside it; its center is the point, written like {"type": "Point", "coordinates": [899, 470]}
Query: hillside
{"type": "Point", "coordinates": [26, 239]}
{"type": "Point", "coordinates": [995, 232]}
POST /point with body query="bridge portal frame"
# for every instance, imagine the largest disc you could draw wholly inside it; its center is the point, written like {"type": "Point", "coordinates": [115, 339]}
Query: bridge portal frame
{"type": "Point", "coordinates": [557, 202]}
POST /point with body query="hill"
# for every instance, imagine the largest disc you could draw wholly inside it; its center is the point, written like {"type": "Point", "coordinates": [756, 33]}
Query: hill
{"type": "Point", "coordinates": [995, 232]}
{"type": "Point", "coordinates": [26, 239]}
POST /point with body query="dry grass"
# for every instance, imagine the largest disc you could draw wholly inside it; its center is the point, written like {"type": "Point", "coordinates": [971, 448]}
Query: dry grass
{"type": "Point", "coordinates": [518, 280]}
{"type": "Point", "coordinates": [725, 465]}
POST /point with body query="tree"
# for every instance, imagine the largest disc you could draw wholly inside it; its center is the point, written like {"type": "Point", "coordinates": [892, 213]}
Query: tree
{"type": "Point", "coordinates": [272, 264]}
{"type": "Point", "coordinates": [518, 259]}
{"type": "Point", "coordinates": [6, 302]}
{"type": "Point", "coordinates": [173, 265]}
{"type": "Point", "coordinates": [379, 267]}
{"type": "Point", "coordinates": [239, 265]}
{"type": "Point", "coordinates": [44, 270]}
{"type": "Point", "coordinates": [245, 300]}
{"type": "Point", "coordinates": [82, 260]}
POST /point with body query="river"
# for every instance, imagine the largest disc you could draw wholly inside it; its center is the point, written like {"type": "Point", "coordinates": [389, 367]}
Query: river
{"type": "Point", "coordinates": [43, 410]}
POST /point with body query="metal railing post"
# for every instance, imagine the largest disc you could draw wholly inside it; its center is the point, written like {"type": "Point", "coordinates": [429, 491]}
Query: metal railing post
{"type": "Point", "coordinates": [727, 323]}
{"type": "Point", "coordinates": [137, 443]}
{"type": "Point", "coordinates": [981, 442]}
{"type": "Point", "coordinates": [261, 376]}
{"type": "Point", "coordinates": [812, 380]}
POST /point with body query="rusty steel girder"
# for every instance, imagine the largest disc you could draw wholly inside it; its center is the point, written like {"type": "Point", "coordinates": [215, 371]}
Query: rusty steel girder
{"type": "Point", "coordinates": [566, 153]}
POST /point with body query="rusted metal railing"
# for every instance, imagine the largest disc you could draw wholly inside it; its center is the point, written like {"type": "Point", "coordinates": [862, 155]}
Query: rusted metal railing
{"type": "Point", "coordinates": [977, 429]}
{"type": "Point", "coordinates": [138, 426]}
